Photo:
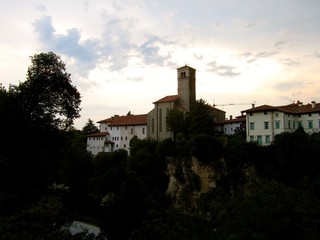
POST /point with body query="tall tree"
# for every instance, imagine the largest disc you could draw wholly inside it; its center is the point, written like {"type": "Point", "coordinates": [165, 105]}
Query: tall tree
{"type": "Point", "coordinates": [201, 118]}
{"type": "Point", "coordinates": [89, 127]}
{"type": "Point", "coordinates": [47, 94]}
{"type": "Point", "coordinates": [175, 121]}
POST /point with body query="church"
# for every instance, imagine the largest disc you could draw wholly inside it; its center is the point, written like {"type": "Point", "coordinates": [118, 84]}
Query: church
{"type": "Point", "coordinates": [157, 126]}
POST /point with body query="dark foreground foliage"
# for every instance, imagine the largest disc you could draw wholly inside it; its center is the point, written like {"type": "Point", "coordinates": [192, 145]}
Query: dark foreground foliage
{"type": "Point", "coordinates": [47, 179]}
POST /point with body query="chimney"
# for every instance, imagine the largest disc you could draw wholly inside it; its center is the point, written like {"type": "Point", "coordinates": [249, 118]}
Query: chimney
{"type": "Point", "coordinates": [230, 117]}
{"type": "Point", "coordinates": [253, 106]}
{"type": "Point", "coordinates": [313, 104]}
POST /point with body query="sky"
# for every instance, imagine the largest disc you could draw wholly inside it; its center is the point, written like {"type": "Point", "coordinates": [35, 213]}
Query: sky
{"type": "Point", "coordinates": [123, 55]}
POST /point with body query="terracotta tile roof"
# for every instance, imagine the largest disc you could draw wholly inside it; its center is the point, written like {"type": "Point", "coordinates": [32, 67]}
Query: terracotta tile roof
{"type": "Point", "coordinates": [238, 119]}
{"type": "Point", "coordinates": [261, 108]}
{"type": "Point", "coordinates": [129, 120]}
{"type": "Point", "coordinates": [108, 120]}
{"type": "Point", "coordinates": [98, 134]}
{"type": "Point", "coordinates": [214, 108]}
{"type": "Point", "coordinates": [171, 98]}
{"type": "Point", "coordinates": [294, 108]}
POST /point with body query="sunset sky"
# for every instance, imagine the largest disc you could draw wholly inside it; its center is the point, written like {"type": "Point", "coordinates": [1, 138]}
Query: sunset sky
{"type": "Point", "coordinates": [123, 55]}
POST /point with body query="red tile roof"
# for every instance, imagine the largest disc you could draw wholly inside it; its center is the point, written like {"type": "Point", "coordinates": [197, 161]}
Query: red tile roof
{"type": "Point", "coordinates": [98, 134]}
{"type": "Point", "coordinates": [108, 120]}
{"type": "Point", "coordinates": [129, 120]}
{"type": "Point", "coordinates": [238, 119]}
{"type": "Point", "coordinates": [171, 98]}
{"type": "Point", "coordinates": [294, 108]}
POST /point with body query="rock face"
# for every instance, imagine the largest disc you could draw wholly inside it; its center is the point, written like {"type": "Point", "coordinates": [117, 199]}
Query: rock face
{"type": "Point", "coordinates": [188, 179]}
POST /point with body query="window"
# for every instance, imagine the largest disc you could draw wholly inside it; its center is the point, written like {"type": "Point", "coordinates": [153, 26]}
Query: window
{"type": "Point", "coordinates": [251, 138]}
{"type": "Point", "coordinates": [124, 145]}
{"type": "Point", "coordinates": [267, 138]}
{"type": "Point", "coordinates": [117, 128]}
{"type": "Point", "coordinates": [143, 130]}
{"type": "Point", "coordinates": [126, 138]}
{"type": "Point", "coordinates": [310, 114]}
{"type": "Point", "coordinates": [266, 125]}
{"type": "Point", "coordinates": [277, 124]}
{"type": "Point", "coordinates": [252, 126]}
{"type": "Point", "coordinates": [131, 130]}
{"type": "Point", "coordinates": [277, 114]}
{"type": "Point", "coordinates": [265, 113]}
{"type": "Point", "coordinates": [299, 124]}
{"type": "Point", "coordinates": [160, 120]}
{"type": "Point", "coordinates": [289, 124]}
{"type": "Point", "coordinates": [251, 114]}
{"type": "Point", "coordinates": [121, 138]}
{"type": "Point", "coordinates": [110, 128]}
{"type": "Point", "coordinates": [310, 124]}
{"type": "Point", "coordinates": [259, 140]}
{"type": "Point", "coordinates": [167, 113]}
{"type": "Point", "coordinates": [152, 125]}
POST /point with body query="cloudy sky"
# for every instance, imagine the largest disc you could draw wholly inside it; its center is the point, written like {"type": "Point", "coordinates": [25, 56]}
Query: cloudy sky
{"type": "Point", "coordinates": [123, 55]}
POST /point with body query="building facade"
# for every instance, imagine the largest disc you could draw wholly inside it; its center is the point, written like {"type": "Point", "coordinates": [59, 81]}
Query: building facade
{"type": "Point", "coordinates": [232, 125]}
{"type": "Point", "coordinates": [157, 126]}
{"type": "Point", "coordinates": [116, 133]}
{"type": "Point", "coordinates": [263, 123]}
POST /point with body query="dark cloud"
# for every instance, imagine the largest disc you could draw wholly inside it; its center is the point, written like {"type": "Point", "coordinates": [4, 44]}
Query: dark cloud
{"type": "Point", "coordinates": [150, 51]}
{"type": "Point", "coordinates": [279, 43]}
{"type": "Point", "coordinates": [245, 55]}
{"type": "Point", "coordinates": [223, 70]}
{"type": "Point", "coordinates": [198, 56]}
{"type": "Point", "coordinates": [135, 79]}
{"type": "Point", "coordinates": [117, 43]}
{"type": "Point", "coordinates": [265, 54]}
{"type": "Point", "coordinates": [85, 53]}
{"type": "Point", "coordinates": [289, 62]}
{"type": "Point", "coordinates": [288, 85]}
{"type": "Point", "coordinates": [39, 7]}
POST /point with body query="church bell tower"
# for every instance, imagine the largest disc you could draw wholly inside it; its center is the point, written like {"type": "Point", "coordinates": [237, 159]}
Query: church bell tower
{"type": "Point", "coordinates": [187, 86]}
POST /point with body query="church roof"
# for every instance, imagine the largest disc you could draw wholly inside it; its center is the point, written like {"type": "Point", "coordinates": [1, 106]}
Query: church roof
{"type": "Point", "coordinates": [171, 98]}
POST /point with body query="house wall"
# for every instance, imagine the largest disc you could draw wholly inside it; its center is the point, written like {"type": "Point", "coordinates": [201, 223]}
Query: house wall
{"type": "Point", "coordinates": [279, 122]}
{"type": "Point", "coordinates": [121, 135]}
{"type": "Point", "coordinates": [96, 144]}
{"type": "Point", "coordinates": [157, 126]}
{"type": "Point", "coordinates": [230, 128]}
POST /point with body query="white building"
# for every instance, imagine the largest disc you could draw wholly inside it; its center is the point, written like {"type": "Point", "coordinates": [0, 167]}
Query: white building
{"type": "Point", "coordinates": [263, 123]}
{"type": "Point", "coordinates": [116, 133]}
{"type": "Point", "coordinates": [232, 125]}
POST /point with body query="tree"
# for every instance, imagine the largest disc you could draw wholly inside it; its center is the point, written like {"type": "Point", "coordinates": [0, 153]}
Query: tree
{"type": "Point", "coordinates": [89, 127]}
{"type": "Point", "coordinates": [47, 94]}
{"type": "Point", "coordinates": [175, 120]}
{"type": "Point", "coordinates": [201, 118]}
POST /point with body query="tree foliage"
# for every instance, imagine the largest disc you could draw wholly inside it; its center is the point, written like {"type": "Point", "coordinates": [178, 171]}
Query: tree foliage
{"type": "Point", "coordinates": [47, 94]}
{"type": "Point", "coordinates": [89, 127]}
{"type": "Point", "coordinates": [200, 119]}
{"type": "Point", "coordinates": [175, 121]}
